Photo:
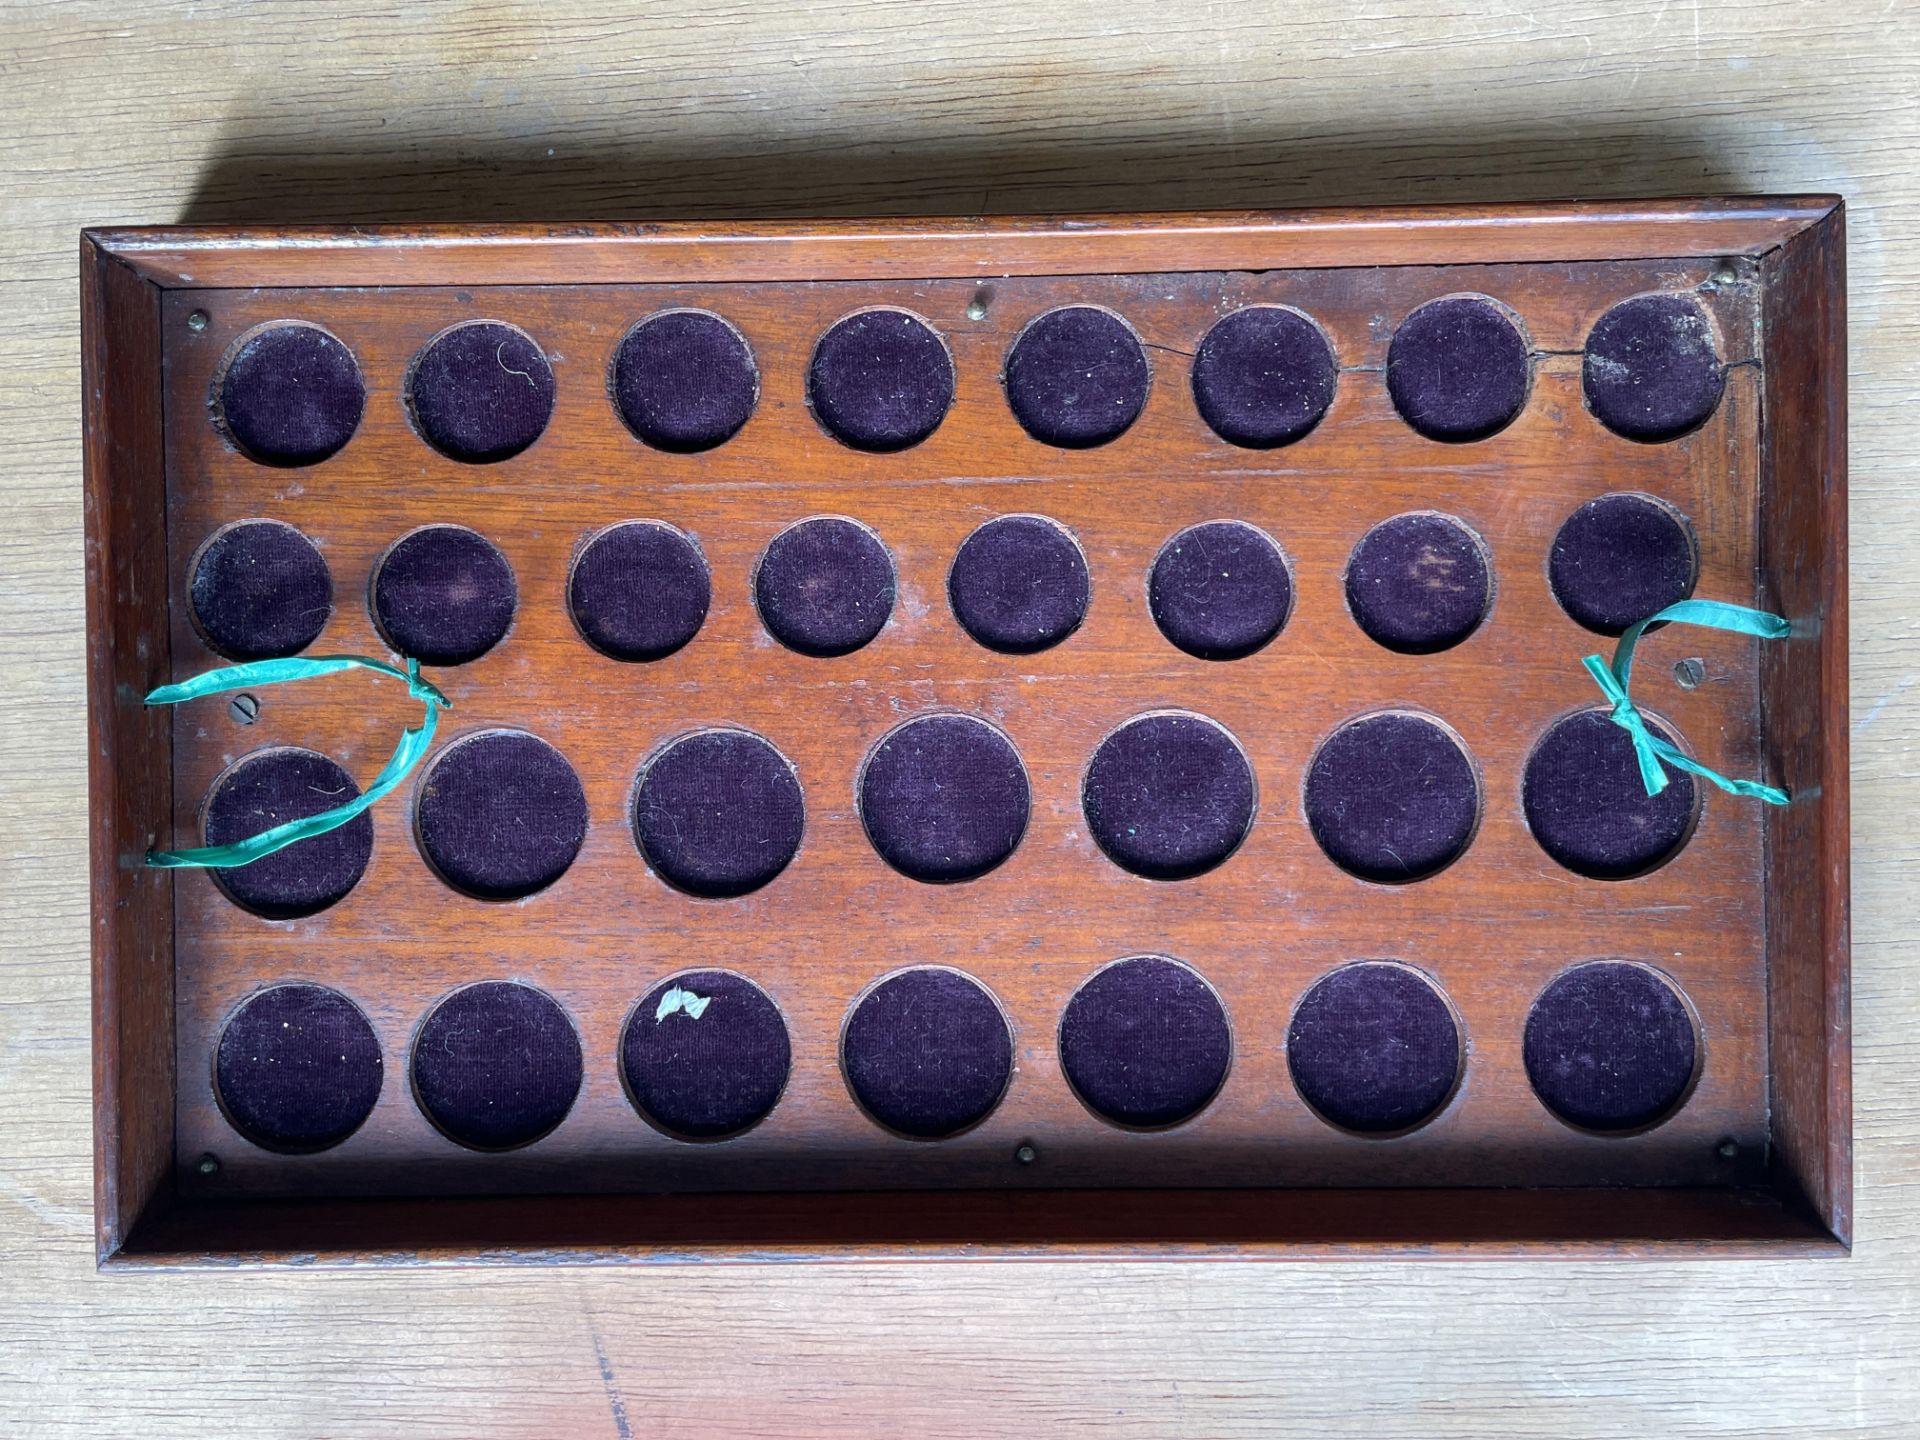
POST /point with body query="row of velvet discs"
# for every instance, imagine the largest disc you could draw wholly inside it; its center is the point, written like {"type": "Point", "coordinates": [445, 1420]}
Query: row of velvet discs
{"type": "Point", "coordinates": [1459, 369]}
{"type": "Point", "coordinates": [1373, 1048]}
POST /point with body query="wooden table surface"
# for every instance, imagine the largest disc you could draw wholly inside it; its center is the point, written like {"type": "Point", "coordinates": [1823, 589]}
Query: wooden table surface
{"type": "Point", "coordinates": [229, 110]}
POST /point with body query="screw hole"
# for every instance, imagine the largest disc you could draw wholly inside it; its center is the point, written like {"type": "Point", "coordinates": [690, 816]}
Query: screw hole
{"type": "Point", "coordinates": [209, 1164]}
{"type": "Point", "coordinates": [1726, 275]}
{"type": "Point", "coordinates": [1688, 673]}
{"type": "Point", "coordinates": [245, 709]}
{"type": "Point", "coordinates": [977, 307]}
{"type": "Point", "coordinates": [1728, 1149]}
{"type": "Point", "coordinates": [197, 321]}
{"type": "Point", "coordinates": [1025, 1154]}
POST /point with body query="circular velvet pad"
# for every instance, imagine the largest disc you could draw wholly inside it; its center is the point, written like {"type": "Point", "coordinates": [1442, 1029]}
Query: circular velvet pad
{"type": "Point", "coordinates": [927, 1053]}
{"type": "Point", "coordinates": [297, 1068]}
{"type": "Point", "coordinates": [481, 392]}
{"type": "Point", "coordinates": [1373, 1048]}
{"type": "Point", "coordinates": [1651, 370]}
{"type": "Point", "coordinates": [880, 380]}
{"type": "Point", "coordinates": [260, 590]}
{"type": "Point", "coordinates": [276, 787]}
{"type": "Point", "coordinates": [1458, 369]}
{"type": "Point", "coordinates": [1588, 807]}
{"type": "Point", "coordinates": [639, 590]}
{"type": "Point", "coordinates": [443, 595]}
{"type": "Point", "coordinates": [500, 814]}
{"type": "Point", "coordinates": [1419, 583]}
{"type": "Point", "coordinates": [1144, 1042]}
{"type": "Point", "coordinates": [290, 394]}
{"type": "Point", "coordinates": [718, 813]}
{"type": "Point", "coordinates": [1220, 590]}
{"type": "Point", "coordinates": [1392, 798]}
{"type": "Point", "coordinates": [944, 797]}
{"type": "Point", "coordinates": [1263, 376]}
{"type": "Point", "coordinates": [1019, 584]}
{"type": "Point", "coordinates": [1169, 795]}
{"type": "Point", "coordinates": [685, 380]}
{"type": "Point", "coordinates": [707, 1075]}
{"type": "Point", "coordinates": [1077, 377]}
{"type": "Point", "coordinates": [1610, 1046]}
{"type": "Point", "coordinates": [824, 586]}
{"type": "Point", "coordinates": [1620, 558]}
{"type": "Point", "coordinates": [496, 1065]}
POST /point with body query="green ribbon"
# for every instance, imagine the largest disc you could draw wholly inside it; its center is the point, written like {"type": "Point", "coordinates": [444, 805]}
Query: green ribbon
{"type": "Point", "coordinates": [1652, 752]}
{"type": "Point", "coordinates": [413, 744]}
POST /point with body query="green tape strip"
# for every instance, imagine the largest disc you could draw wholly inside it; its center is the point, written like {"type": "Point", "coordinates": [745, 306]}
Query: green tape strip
{"type": "Point", "coordinates": [413, 744]}
{"type": "Point", "coordinates": [1653, 753]}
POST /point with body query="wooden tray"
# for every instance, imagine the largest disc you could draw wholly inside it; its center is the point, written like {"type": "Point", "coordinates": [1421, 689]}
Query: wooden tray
{"type": "Point", "coordinates": [1748, 921]}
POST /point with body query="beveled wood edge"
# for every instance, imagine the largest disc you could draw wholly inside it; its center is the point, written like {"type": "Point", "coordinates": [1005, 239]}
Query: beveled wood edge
{"type": "Point", "coordinates": [215, 257]}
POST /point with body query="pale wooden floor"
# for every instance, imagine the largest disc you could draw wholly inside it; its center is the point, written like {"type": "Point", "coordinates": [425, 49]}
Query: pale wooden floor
{"type": "Point", "coordinates": [228, 110]}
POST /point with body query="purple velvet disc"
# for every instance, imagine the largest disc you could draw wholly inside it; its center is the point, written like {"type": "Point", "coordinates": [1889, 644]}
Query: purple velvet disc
{"type": "Point", "coordinates": [1019, 584]}
{"type": "Point", "coordinates": [259, 590]}
{"type": "Point", "coordinates": [1392, 798]}
{"type": "Point", "coordinates": [1620, 558]}
{"type": "Point", "coordinates": [1610, 1046]}
{"type": "Point", "coordinates": [639, 590]}
{"type": "Point", "coordinates": [718, 813]}
{"type": "Point", "coordinates": [824, 586]}
{"type": "Point", "coordinates": [290, 394]}
{"type": "Point", "coordinates": [297, 1068]}
{"type": "Point", "coordinates": [1077, 377]}
{"type": "Point", "coordinates": [944, 797]}
{"type": "Point", "coordinates": [1144, 1042]}
{"type": "Point", "coordinates": [1588, 807]}
{"type": "Point", "coordinates": [443, 595]}
{"type": "Point", "coordinates": [276, 787]}
{"type": "Point", "coordinates": [481, 392]}
{"type": "Point", "coordinates": [1220, 590]}
{"type": "Point", "coordinates": [880, 380]}
{"type": "Point", "coordinates": [1373, 1048]}
{"type": "Point", "coordinates": [1169, 795]}
{"type": "Point", "coordinates": [1263, 376]}
{"type": "Point", "coordinates": [685, 380]}
{"type": "Point", "coordinates": [496, 1065]}
{"type": "Point", "coordinates": [927, 1053]}
{"type": "Point", "coordinates": [1651, 371]}
{"type": "Point", "coordinates": [710, 1074]}
{"type": "Point", "coordinates": [1458, 369]}
{"type": "Point", "coordinates": [1419, 583]}
{"type": "Point", "coordinates": [500, 814]}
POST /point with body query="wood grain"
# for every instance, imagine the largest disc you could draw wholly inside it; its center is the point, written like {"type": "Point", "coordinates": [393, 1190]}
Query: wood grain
{"type": "Point", "coordinates": [131, 112]}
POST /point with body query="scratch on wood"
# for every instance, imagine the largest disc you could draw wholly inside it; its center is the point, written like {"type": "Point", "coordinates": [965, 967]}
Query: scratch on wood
{"type": "Point", "coordinates": [607, 1383]}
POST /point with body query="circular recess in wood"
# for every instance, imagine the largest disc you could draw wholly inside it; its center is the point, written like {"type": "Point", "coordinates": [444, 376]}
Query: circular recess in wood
{"type": "Point", "coordinates": [1419, 583]}
{"type": "Point", "coordinates": [639, 590]}
{"type": "Point", "coordinates": [275, 787]}
{"type": "Point", "coordinates": [1019, 584]}
{"type": "Point", "coordinates": [1620, 558]}
{"type": "Point", "coordinates": [718, 813]}
{"type": "Point", "coordinates": [1611, 1047]}
{"type": "Point", "coordinates": [1264, 376]}
{"type": "Point", "coordinates": [496, 1065]}
{"type": "Point", "coordinates": [1220, 590]}
{"type": "Point", "coordinates": [1587, 805]}
{"type": "Point", "coordinates": [1077, 377]}
{"type": "Point", "coordinates": [289, 393]}
{"type": "Point", "coordinates": [1392, 797]}
{"type": "Point", "coordinates": [684, 380]}
{"type": "Point", "coordinates": [443, 595]}
{"type": "Point", "coordinates": [259, 589]}
{"type": "Point", "coordinates": [880, 379]}
{"type": "Point", "coordinates": [824, 586]}
{"type": "Point", "coordinates": [1651, 371]}
{"type": "Point", "coordinates": [927, 1052]}
{"type": "Point", "coordinates": [500, 814]}
{"type": "Point", "coordinates": [1373, 1047]}
{"type": "Point", "coordinates": [705, 1055]}
{"type": "Point", "coordinates": [1169, 795]}
{"type": "Point", "coordinates": [1145, 1043]}
{"type": "Point", "coordinates": [297, 1069]}
{"type": "Point", "coordinates": [481, 392]}
{"type": "Point", "coordinates": [1458, 369]}
{"type": "Point", "coordinates": [943, 797]}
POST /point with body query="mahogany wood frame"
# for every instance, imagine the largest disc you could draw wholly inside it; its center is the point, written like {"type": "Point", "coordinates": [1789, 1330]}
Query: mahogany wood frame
{"type": "Point", "coordinates": [1798, 1202]}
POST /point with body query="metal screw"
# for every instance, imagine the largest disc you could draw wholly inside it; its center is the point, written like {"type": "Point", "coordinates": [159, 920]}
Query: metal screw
{"type": "Point", "coordinates": [1726, 275]}
{"type": "Point", "coordinates": [209, 1164]}
{"type": "Point", "coordinates": [1026, 1154]}
{"type": "Point", "coordinates": [197, 321]}
{"type": "Point", "coordinates": [245, 709]}
{"type": "Point", "coordinates": [1728, 1149]}
{"type": "Point", "coordinates": [977, 307]}
{"type": "Point", "coordinates": [1689, 673]}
